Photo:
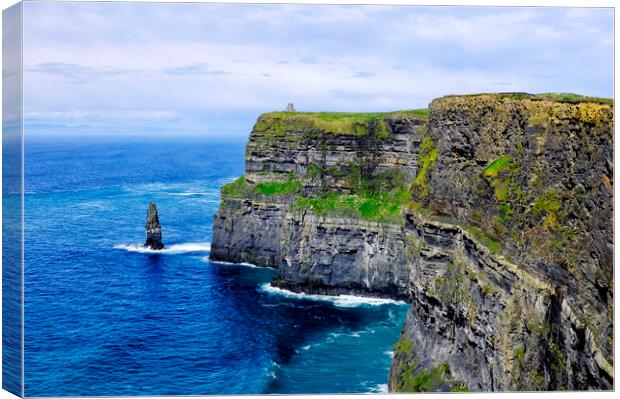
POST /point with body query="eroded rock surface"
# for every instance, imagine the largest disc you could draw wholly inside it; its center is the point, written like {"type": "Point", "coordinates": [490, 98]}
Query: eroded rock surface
{"type": "Point", "coordinates": [493, 217]}
{"type": "Point", "coordinates": [153, 229]}
{"type": "Point", "coordinates": [522, 298]}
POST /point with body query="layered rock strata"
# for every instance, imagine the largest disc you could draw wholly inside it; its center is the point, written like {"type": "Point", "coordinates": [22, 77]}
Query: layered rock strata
{"type": "Point", "coordinates": [316, 252]}
{"type": "Point", "coordinates": [522, 297]}
{"type": "Point", "coordinates": [492, 217]}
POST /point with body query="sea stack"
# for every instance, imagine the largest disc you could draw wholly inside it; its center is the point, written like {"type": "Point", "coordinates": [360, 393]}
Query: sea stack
{"type": "Point", "coordinates": [153, 229]}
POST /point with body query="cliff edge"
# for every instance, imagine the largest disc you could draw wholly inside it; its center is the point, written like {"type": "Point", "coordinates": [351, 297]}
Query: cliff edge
{"type": "Point", "coordinates": [322, 200]}
{"type": "Point", "coordinates": [491, 214]}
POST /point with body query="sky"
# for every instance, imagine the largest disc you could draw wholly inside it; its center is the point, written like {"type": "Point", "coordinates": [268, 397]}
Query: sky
{"type": "Point", "coordinates": [211, 69]}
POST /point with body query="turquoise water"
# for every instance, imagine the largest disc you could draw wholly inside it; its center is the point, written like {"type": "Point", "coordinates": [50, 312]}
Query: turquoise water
{"type": "Point", "coordinates": [104, 317]}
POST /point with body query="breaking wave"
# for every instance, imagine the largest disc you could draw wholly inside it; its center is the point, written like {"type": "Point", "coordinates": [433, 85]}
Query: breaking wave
{"type": "Point", "coordinates": [173, 249]}
{"type": "Point", "coordinates": [221, 262]}
{"type": "Point", "coordinates": [343, 301]}
{"type": "Point", "coordinates": [380, 388]}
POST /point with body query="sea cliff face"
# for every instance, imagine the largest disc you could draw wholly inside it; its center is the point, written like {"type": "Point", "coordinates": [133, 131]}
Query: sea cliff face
{"type": "Point", "coordinates": [323, 255]}
{"type": "Point", "coordinates": [321, 200]}
{"type": "Point", "coordinates": [492, 215]}
{"type": "Point", "coordinates": [248, 231]}
{"type": "Point", "coordinates": [523, 296]}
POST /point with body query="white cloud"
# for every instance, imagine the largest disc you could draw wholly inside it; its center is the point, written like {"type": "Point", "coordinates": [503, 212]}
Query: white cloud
{"type": "Point", "coordinates": [198, 62]}
{"type": "Point", "coordinates": [81, 115]}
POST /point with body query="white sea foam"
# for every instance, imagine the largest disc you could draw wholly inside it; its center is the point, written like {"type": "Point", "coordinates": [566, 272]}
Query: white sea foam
{"type": "Point", "coordinates": [221, 262]}
{"type": "Point", "coordinates": [354, 334]}
{"type": "Point", "coordinates": [189, 194]}
{"type": "Point", "coordinates": [343, 301]}
{"type": "Point", "coordinates": [150, 187]}
{"type": "Point", "coordinates": [271, 371]}
{"type": "Point", "coordinates": [380, 388]}
{"type": "Point", "coordinates": [335, 334]}
{"type": "Point", "coordinates": [197, 188]}
{"type": "Point", "coordinates": [389, 353]}
{"type": "Point", "coordinates": [99, 205]}
{"type": "Point", "coordinates": [173, 249]}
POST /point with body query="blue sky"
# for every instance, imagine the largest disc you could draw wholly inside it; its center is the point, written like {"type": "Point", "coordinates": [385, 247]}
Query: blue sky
{"type": "Point", "coordinates": [211, 69]}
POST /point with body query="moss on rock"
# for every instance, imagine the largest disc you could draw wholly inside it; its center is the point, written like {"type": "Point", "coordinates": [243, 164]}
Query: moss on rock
{"type": "Point", "coordinates": [426, 161]}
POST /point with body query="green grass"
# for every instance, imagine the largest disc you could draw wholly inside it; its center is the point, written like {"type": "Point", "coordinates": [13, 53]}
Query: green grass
{"type": "Point", "coordinates": [520, 355]}
{"type": "Point", "coordinates": [506, 212]}
{"type": "Point", "coordinates": [429, 380]}
{"type": "Point", "coordinates": [568, 232]}
{"type": "Point", "coordinates": [354, 123]}
{"type": "Point", "coordinates": [380, 198]}
{"type": "Point", "coordinates": [403, 347]}
{"type": "Point", "coordinates": [420, 113]}
{"type": "Point", "coordinates": [539, 377]}
{"type": "Point", "coordinates": [426, 162]}
{"type": "Point", "coordinates": [496, 167]}
{"type": "Point", "coordinates": [240, 189]}
{"type": "Point", "coordinates": [493, 245]}
{"type": "Point", "coordinates": [559, 97]}
{"type": "Point", "coordinates": [460, 388]}
{"type": "Point", "coordinates": [424, 380]}
{"type": "Point", "coordinates": [505, 95]}
{"type": "Point", "coordinates": [278, 188]}
{"type": "Point", "coordinates": [548, 202]}
{"type": "Point", "coordinates": [499, 174]}
{"type": "Point", "coordinates": [236, 189]}
{"type": "Point", "coordinates": [361, 117]}
{"type": "Point", "coordinates": [417, 207]}
{"type": "Point", "coordinates": [574, 98]}
{"type": "Point", "coordinates": [382, 207]}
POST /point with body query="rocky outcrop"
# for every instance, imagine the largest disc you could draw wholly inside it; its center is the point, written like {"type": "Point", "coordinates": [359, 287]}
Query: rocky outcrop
{"type": "Point", "coordinates": [282, 145]}
{"type": "Point", "coordinates": [342, 253]}
{"type": "Point", "coordinates": [248, 231]}
{"type": "Point", "coordinates": [518, 295]}
{"type": "Point", "coordinates": [493, 324]}
{"type": "Point", "coordinates": [153, 229]}
{"type": "Point", "coordinates": [493, 218]}
{"type": "Point", "coordinates": [323, 255]}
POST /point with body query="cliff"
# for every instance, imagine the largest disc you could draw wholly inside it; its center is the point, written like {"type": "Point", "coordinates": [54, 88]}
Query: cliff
{"type": "Point", "coordinates": [321, 199]}
{"type": "Point", "coordinates": [492, 215]}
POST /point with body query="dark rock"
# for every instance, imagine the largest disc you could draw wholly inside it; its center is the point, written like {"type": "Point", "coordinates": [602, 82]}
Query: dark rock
{"type": "Point", "coordinates": [508, 269]}
{"type": "Point", "coordinates": [524, 305]}
{"type": "Point", "coordinates": [247, 231]}
{"type": "Point", "coordinates": [153, 229]}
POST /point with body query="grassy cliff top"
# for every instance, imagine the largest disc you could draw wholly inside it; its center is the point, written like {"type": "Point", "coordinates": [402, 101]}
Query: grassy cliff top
{"type": "Point", "coordinates": [355, 116]}
{"type": "Point", "coordinates": [359, 123]}
{"type": "Point", "coordinates": [542, 108]}
{"type": "Point", "coordinates": [571, 98]}
{"type": "Point", "coordinates": [354, 123]}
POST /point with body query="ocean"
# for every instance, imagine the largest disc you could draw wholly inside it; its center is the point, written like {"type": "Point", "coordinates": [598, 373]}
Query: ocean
{"type": "Point", "coordinates": [104, 317]}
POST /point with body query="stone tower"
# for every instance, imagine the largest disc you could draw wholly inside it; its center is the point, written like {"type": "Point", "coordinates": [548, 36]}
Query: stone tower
{"type": "Point", "coordinates": [290, 107]}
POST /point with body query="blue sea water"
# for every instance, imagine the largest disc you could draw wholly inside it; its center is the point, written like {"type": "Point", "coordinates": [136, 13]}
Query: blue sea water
{"type": "Point", "coordinates": [103, 317]}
